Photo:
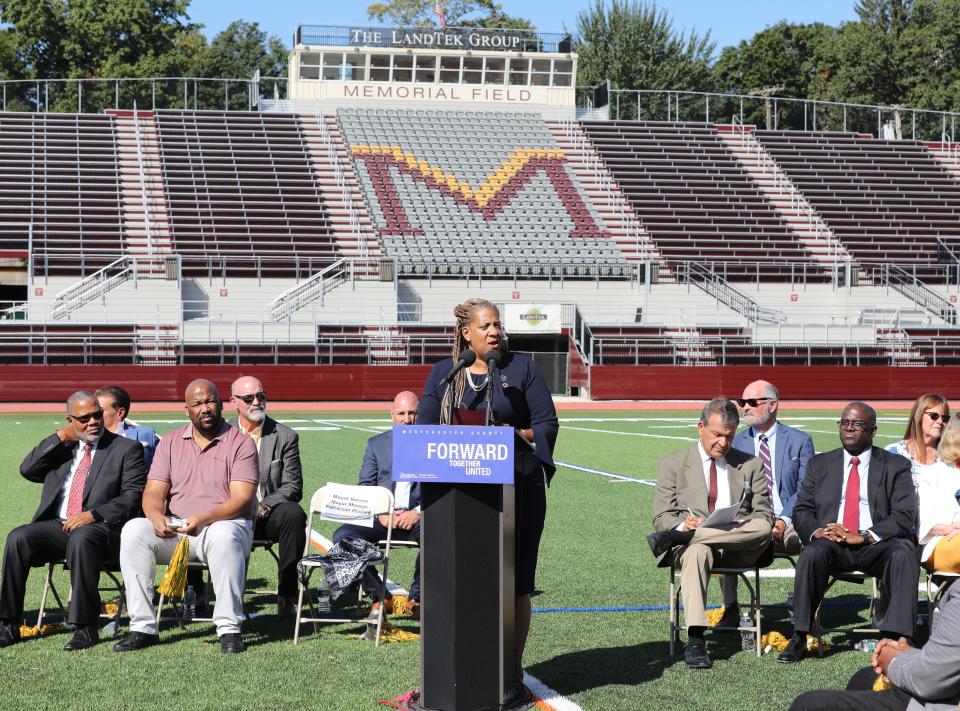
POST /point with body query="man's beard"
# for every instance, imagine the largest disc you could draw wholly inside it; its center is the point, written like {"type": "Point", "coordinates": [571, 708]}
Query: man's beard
{"type": "Point", "coordinates": [256, 415]}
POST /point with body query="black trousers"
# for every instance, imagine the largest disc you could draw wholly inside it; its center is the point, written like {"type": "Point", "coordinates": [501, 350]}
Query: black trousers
{"type": "Point", "coordinates": [287, 525]}
{"type": "Point", "coordinates": [893, 561]}
{"type": "Point", "coordinates": [859, 696]}
{"type": "Point", "coordinates": [370, 580]}
{"type": "Point", "coordinates": [85, 549]}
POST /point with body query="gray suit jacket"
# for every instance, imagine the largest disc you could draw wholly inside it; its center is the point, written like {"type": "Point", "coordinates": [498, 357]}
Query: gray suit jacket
{"type": "Point", "coordinates": [931, 675]}
{"type": "Point", "coordinates": [681, 486]}
{"type": "Point", "coordinates": [281, 476]}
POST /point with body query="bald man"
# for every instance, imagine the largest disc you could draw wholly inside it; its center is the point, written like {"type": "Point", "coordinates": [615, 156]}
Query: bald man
{"type": "Point", "coordinates": [203, 485]}
{"type": "Point", "coordinates": [377, 471]}
{"type": "Point", "coordinates": [279, 516]}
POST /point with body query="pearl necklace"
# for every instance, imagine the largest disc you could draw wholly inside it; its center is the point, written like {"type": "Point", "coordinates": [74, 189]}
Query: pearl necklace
{"type": "Point", "coordinates": [477, 387]}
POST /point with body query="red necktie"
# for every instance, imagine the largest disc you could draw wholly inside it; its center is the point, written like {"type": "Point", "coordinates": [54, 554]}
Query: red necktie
{"type": "Point", "coordinates": [75, 501]}
{"type": "Point", "coordinates": [851, 502]}
{"type": "Point", "coordinates": [712, 490]}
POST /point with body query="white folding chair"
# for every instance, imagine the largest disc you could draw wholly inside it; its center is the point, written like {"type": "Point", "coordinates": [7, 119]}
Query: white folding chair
{"type": "Point", "coordinates": [110, 569]}
{"type": "Point", "coordinates": [859, 578]}
{"type": "Point", "coordinates": [381, 502]}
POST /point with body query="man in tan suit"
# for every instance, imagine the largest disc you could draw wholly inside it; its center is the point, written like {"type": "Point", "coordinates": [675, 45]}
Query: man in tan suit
{"type": "Point", "coordinates": [691, 484]}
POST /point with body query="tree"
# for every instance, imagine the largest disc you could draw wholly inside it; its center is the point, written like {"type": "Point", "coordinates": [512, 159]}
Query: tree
{"type": "Point", "coordinates": [241, 49]}
{"type": "Point", "coordinates": [929, 56]}
{"type": "Point", "coordinates": [634, 45]}
{"type": "Point", "coordinates": [459, 13]}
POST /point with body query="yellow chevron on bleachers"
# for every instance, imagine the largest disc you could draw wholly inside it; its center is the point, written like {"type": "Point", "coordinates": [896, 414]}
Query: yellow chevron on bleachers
{"type": "Point", "coordinates": [482, 195]}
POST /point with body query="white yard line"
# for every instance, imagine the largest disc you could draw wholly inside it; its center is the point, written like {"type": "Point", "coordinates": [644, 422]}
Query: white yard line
{"type": "Point", "coordinates": [547, 698]}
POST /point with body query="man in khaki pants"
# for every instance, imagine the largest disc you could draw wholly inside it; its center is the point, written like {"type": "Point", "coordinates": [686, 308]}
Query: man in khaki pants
{"type": "Point", "coordinates": [692, 484]}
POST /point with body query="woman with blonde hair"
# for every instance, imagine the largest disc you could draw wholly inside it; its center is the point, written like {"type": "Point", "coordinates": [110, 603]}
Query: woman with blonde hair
{"type": "Point", "coordinates": [928, 418]}
{"type": "Point", "coordinates": [519, 398]}
{"type": "Point", "coordinates": [939, 486]}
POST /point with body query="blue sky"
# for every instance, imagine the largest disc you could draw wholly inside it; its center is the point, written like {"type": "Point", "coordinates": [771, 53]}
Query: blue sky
{"type": "Point", "coordinates": [729, 20]}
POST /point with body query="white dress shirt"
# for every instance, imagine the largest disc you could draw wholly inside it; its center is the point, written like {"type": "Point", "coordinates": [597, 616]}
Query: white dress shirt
{"type": "Point", "coordinates": [401, 495]}
{"type": "Point", "coordinates": [937, 485]}
{"type": "Point", "coordinates": [863, 468]}
{"type": "Point", "coordinates": [723, 484]}
{"type": "Point", "coordinates": [65, 489]}
{"type": "Point", "coordinates": [772, 446]}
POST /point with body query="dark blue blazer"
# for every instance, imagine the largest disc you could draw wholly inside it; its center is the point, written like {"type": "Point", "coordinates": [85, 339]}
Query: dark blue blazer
{"type": "Point", "coordinates": [521, 399]}
{"type": "Point", "coordinates": [792, 452]}
{"type": "Point", "coordinates": [378, 463]}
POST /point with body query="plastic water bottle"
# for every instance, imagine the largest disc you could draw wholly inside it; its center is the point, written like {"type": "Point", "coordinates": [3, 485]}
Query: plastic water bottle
{"type": "Point", "coordinates": [866, 645]}
{"type": "Point", "coordinates": [323, 595]}
{"type": "Point", "coordinates": [189, 604]}
{"type": "Point", "coordinates": [748, 640]}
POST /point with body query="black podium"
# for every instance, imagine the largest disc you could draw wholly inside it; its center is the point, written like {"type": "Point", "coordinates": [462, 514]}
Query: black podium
{"type": "Point", "coordinates": [467, 595]}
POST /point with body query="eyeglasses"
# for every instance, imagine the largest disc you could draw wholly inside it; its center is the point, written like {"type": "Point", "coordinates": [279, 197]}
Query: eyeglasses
{"type": "Point", "coordinates": [935, 416]}
{"type": "Point", "coordinates": [84, 419]}
{"type": "Point", "coordinates": [853, 424]}
{"type": "Point", "coordinates": [261, 396]}
{"type": "Point", "coordinates": [752, 401]}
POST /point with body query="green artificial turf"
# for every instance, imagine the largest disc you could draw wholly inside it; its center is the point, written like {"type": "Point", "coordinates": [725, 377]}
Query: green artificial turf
{"type": "Point", "coordinates": [592, 640]}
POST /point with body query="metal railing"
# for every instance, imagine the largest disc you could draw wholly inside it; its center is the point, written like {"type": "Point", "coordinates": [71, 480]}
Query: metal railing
{"type": "Point", "coordinates": [782, 113]}
{"type": "Point", "coordinates": [907, 284]}
{"type": "Point", "coordinates": [716, 286]}
{"type": "Point", "coordinates": [95, 95]}
{"type": "Point", "coordinates": [327, 279]}
{"type": "Point", "coordinates": [97, 285]}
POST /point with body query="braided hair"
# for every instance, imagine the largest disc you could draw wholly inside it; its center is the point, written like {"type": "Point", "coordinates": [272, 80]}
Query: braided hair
{"type": "Point", "coordinates": [464, 314]}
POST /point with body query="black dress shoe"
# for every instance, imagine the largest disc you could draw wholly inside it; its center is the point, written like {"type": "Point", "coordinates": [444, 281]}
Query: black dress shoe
{"type": "Point", "coordinates": [9, 634]}
{"type": "Point", "coordinates": [232, 643]}
{"type": "Point", "coordinates": [85, 637]}
{"type": "Point", "coordinates": [136, 640]}
{"type": "Point", "coordinates": [696, 656]}
{"type": "Point", "coordinates": [660, 542]}
{"type": "Point", "coordinates": [730, 620]}
{"type": "Point", "coordinates": [795, 650]}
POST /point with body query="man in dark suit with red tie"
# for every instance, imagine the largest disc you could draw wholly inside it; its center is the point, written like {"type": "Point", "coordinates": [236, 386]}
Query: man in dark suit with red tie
{"type": "Point", "coordinates": [92, 483]}
{"type": "Point", "coordinates": [856, 511]}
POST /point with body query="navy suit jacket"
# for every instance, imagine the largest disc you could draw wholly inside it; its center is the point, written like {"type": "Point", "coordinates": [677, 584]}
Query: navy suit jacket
{"type": "Point", "coordinates": [890, 493]}
{"type": "Point", "coordinates": [792, 450]}
{"type": "Point", "coordinates": [378, 464]}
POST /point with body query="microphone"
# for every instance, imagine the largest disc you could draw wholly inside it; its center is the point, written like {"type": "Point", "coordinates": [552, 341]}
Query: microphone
{"type": "Point", "coordinates": [466, 359]}
{"type": "Point", "coordinates": [492, 358]}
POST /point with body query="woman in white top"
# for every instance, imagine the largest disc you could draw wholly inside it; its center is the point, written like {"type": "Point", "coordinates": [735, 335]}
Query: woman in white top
{"type": "Point", "coordinates": [939, 529]}
{"type": "Point", "coordinates": [928, 418]}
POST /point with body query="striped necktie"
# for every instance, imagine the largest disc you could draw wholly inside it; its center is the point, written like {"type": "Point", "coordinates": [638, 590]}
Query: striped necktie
{"type": "Point", "coordinates": [75, 500]}
{"type": "Point", "coordinates": [767, 469]}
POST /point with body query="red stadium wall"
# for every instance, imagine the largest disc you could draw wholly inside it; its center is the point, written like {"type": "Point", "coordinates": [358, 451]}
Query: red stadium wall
{"type": "Point", "coordinates": [363, 382]}
{"type": "Point", "coordinates": [54, 383]}
{"type": "Point", "coordinates": [656, 382]}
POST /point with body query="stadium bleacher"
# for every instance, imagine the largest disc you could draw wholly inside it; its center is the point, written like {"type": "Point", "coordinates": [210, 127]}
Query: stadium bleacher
{"type": "Point", "coordinates": [885, 200]}
{"type": "Point", "coordinates": [432, 178]}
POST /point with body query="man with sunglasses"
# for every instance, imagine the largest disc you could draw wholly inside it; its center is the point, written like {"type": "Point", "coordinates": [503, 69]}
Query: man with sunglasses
{"type": "Point", "coordinates": [784, 452]}
{"type": "Point", "coordinates": [855, 511]}
{"type": "Point", "coordinates": [92, 483]}
{"type": "Point", "coordinates": [279, 515]}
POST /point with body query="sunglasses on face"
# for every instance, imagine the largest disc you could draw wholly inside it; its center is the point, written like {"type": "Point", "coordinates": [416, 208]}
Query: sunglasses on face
{"type": "Point", "coordinates": [84, 419]}
{"type": "Point", "coordinates": [853, 424]}
{"type": "Point", "coordinates": [752, 401]}
{"type": "Point", "coordinates": [935, 416]}
{"type": "Point", "coordinates": [261, 396]}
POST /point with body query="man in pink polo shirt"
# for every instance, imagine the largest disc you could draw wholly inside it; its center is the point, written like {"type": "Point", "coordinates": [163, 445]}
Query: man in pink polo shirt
{"type": "Point", "coordinates": [205, 474]}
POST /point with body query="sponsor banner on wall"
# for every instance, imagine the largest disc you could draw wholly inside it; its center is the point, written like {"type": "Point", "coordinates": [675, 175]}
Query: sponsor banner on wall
{"type": "Point", "coordinates": [532, 318]}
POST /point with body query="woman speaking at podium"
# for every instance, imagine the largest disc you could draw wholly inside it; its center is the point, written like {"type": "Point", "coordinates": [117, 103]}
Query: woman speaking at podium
{"type": "Point", "coordinates": [519, 398]}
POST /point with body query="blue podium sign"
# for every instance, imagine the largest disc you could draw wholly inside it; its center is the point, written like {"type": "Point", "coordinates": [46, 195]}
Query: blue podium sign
{"type": "Point", "coordinates": [453, 454]}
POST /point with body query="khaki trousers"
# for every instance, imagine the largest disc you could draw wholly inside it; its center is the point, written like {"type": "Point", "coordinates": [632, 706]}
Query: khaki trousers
{"type": "Point", "coordinates": [741, 544]}
{"type": "Point", "coordinates": [790, 545]}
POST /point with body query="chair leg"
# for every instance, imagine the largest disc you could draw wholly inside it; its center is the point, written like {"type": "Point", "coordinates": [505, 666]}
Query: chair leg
{"type": "Point", "coordinates": [47, 583]}
{"type": "Point", "coordinates": [757, 613]}
{"type": "Point", "coordinates": [674, 613]}
{"type": "Point", "coordinates": [296, 626]}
